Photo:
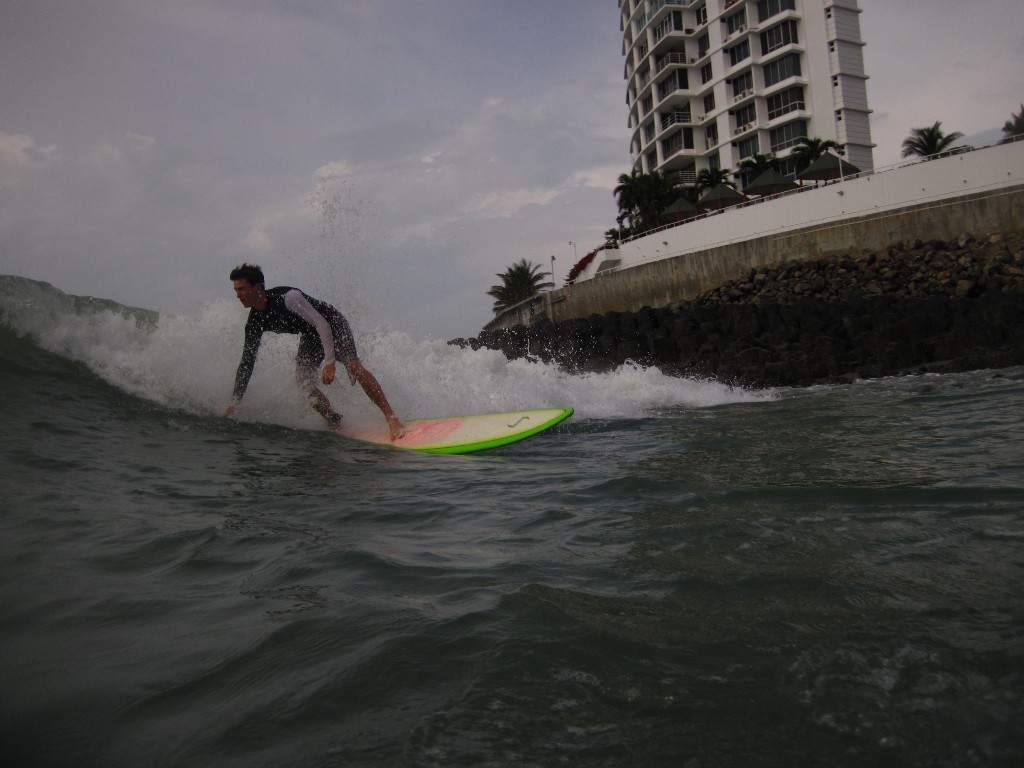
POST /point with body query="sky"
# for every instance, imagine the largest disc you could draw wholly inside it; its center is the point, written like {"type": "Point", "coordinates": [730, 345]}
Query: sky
{"type": "Point", "coordinates": [390, 158]}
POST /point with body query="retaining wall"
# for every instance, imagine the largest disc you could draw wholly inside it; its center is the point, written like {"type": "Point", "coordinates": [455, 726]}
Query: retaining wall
{"type": "Point", "coordinates": [648, 278]}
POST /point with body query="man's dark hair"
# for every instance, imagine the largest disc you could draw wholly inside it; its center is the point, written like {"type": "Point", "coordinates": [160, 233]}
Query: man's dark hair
{"type": "Point", "coordinates": [248, 272]}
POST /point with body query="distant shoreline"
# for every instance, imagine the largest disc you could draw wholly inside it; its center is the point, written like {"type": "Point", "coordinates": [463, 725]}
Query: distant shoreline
{"type": "Point", "coordinates": [925, 306]}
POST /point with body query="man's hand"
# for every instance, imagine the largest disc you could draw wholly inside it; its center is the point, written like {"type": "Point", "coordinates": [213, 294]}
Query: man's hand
{"type": "Point", "coordinates": [229, 411]}
{"type": "Point", "coordinates": [327, 374]}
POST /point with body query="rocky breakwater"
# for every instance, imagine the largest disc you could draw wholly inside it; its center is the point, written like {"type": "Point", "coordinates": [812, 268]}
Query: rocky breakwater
{"type": "Point", "coordinates": [932, 306]}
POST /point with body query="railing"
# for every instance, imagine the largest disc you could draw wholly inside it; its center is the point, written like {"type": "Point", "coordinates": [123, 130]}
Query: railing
{"type": "Point", "coordinates": [687, 175]}
{"type": "Point", "coordinates": [762, 199]}
{"type": "Point", "coordinates": [657, 6]}
{"type": "Point", "coordinates": [674, 118]}
{"type": "Point", "coordinates": [670, 58]}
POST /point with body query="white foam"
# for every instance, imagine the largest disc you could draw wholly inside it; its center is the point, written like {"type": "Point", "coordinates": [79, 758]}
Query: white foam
{"type": "Point", "coordinates": [188, 363]}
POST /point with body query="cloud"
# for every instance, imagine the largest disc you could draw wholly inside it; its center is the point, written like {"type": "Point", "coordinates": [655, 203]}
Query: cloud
{"type": "Point", "coordinates": [127, 148]}
{"type": "Point", "coordinates": [145, 147]}
{"type": "Point", "coordinates": [18, 151]}
{"type": "Point", "coordinates": [509, 202]}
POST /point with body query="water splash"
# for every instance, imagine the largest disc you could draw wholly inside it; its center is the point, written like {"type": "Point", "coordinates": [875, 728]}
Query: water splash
{"type": "Point", "coordinates": [188, 362]}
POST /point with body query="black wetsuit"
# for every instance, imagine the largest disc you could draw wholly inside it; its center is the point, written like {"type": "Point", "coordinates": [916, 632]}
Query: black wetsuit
{"type": "Point", "coordinates": [324, 333]}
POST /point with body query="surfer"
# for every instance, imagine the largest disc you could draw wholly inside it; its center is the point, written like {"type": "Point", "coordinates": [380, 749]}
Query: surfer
{"type": "Point", "coordinates": [325, 337]}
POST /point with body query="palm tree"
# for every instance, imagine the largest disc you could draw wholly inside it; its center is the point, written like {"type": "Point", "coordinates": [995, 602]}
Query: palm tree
{"type": "Point", "coordinates": [752, 167]}
{"type": "Point", "coordinates": [708, 178]}
{"type": "Point", "coordinates": [519, 282]}
{"type": "Point", "coordinates": [1015, 125]}
{"type": "Point", "coordinates": [808, 149]}
{"type": "Point", "coordinates": [642, 198]}
{"type": "Point", "coordinates": [626, 193]}
{"type": "Point", "coordinates": [925, 142]}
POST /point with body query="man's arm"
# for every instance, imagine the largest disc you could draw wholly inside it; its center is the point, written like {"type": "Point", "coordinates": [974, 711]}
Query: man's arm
{"type": "Point", "coordinates": [253, 336]}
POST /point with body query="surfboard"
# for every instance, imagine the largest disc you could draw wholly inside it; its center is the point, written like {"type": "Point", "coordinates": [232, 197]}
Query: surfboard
{"type": "Point", "coordinates": [462, 434]}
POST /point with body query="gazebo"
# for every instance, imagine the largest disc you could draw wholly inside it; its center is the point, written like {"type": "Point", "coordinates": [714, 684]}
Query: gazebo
{"type": "Point", "coordinates": [771, 182]}
{"type": "Point", "coordinates": [681, 210]}
{"type": "Point", "coordinates": [828, 167]}
{"type": "Point", "coordinates": [721, 196]}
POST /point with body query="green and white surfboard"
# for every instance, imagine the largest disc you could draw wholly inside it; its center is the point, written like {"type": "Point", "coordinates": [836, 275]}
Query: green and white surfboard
{"type": "Point", "coordinates": [463, 434]}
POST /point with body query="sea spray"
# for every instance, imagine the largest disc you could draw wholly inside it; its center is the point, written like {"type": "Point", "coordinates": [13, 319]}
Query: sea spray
{"type": "Point", "coordinates": [188, 362]}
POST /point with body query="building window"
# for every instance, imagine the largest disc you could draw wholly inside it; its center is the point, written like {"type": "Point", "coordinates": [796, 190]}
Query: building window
{"type": "Point", "coordinates": [777, 37]}
{"type": "Point", "coordinates": [702, 15]}
{"type": "Point", "coordinates": [742, 84]}
{"type": "Point", "coordinates": [705, 73]}
{"type": "Point", "coordinates": [711, 136]}
{"type": "Point", "coordinates": [786, 136]}
{"type": "Point", "coordinates": [671, 23]}
{"type": "Point", "coordinates": [671, 145]}
{"type": "Point", "coordinates": [739, 52]}
{"type": "Point", "coordinates": [789, 100]}
{"type": "Point", "coordinates": [677, 81]}
{"type": "Point", "coordinates": [787, 167]}
{"type": "Point", "coordinates": [746, 115]}
{"type": "Point", "coordinates": [703, 46]}
{"type": "Point", "coordinates": [747, 147]}
{"type": "Point", "coordinates": [709, 103]}
{"type": "Point", "coordinates": [780, 69]}
{"type": "Point", "coordinates": [768, 8]}
{"type": "Point", "coordinates": [736, 22]}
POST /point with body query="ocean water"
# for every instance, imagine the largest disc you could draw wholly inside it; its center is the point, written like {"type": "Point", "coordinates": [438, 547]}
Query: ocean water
{"type": "Point", "coordinates": [683, 574]}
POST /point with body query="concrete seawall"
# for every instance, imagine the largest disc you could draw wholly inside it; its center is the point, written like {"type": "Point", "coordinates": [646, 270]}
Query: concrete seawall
{"type": "Point", "coordinates": [991, 198]}
{"type": "Point", "coordinates": [924, 306]}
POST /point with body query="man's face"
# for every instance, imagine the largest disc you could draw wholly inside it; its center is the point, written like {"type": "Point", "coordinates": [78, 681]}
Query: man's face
{"type": "Point", "coordinates": [250, 295]}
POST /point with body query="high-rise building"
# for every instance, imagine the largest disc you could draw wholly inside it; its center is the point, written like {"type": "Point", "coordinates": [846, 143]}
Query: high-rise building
{"type": "Point", "coordinates": [712, 82]}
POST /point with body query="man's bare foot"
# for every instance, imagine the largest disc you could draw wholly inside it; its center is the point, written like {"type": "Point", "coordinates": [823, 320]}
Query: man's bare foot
{"type": "Point", "coordinates": [396, 427]}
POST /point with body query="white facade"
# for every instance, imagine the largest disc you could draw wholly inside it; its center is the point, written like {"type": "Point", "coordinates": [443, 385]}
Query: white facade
{"type": "Point", "coordinates": [935, 183]}
{"type": "Point", "coordinates": [711, 82]}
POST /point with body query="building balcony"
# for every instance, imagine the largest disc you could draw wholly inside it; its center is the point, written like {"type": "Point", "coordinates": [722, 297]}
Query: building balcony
{"type": "Point", "coordinates": [680, 116]}
{"type": "Point", "coordinates": [674, 57]}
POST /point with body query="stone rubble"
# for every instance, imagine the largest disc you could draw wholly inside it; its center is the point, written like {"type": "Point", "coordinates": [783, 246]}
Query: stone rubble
{"type": "Point", "coordinates": [916, 307]}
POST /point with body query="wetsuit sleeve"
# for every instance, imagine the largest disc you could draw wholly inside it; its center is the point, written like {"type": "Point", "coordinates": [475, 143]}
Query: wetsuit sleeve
{"type": "Point", "coordinates": [253, 336]}
{"type": "Point", "coordinates": [297, 303]}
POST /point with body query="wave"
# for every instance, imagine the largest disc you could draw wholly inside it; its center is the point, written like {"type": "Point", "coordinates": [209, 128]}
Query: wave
{"type": "Point", "coordinates": [188, 363]}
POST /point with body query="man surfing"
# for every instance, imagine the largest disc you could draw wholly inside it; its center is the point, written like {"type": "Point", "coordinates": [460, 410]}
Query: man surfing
{"type": "Point", "coordinates": [324, 338]}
